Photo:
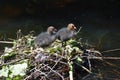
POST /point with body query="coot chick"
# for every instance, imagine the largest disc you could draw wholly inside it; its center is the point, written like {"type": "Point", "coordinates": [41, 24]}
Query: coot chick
{"type": "Point", "coordinates": [46, 38]}
{"type": "Point", "coordinates": [65, 34]}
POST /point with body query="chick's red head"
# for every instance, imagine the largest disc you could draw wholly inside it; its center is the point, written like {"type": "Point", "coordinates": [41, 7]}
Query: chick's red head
{"type": "Point", "coordinates": [51, 29]}
{"type": "Point", "coordinates": [71, 26]}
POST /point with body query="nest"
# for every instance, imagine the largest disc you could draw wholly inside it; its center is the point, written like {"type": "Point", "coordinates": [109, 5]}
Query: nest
{"type": "Point", "coordinates": [71, 62]}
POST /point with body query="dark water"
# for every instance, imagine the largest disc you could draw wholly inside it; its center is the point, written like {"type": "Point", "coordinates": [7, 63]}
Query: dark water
{"type": "Point", "coordinates": [97, 29]}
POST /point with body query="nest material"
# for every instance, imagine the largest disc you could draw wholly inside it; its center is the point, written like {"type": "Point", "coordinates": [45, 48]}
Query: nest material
{"type": "Point", "coordinates": [52, 63]}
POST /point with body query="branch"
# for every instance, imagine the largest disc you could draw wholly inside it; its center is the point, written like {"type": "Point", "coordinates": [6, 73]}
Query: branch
{"type": "Point", "coordinates": [54, 71]}
{"type": "Point", "coordinates": [113, 58]}
{"type": "Point", "coordinates": [79, 30]}
{"type": "Point", "coordinates": [55, 65]}
{"type": "Point", "coordinates": [111, 50]}
{"type": "Point", "coordinates": [7, 42]}
{"type": "Point", "coordinates": [12, 62]}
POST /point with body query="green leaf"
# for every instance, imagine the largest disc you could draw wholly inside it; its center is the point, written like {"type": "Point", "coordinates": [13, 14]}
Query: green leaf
{"type": "Point", "coordinates": [14, 70]}
{"type": "Point", "coordinates": [4, 71]}
{"type": "Point", "coordinates": [79, 59]}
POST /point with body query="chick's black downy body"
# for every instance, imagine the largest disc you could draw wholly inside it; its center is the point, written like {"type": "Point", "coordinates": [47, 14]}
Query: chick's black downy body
{"type": "Point", "coordinates": [46, 38]}
{"type": "Point", "coordinates": [65, 34]}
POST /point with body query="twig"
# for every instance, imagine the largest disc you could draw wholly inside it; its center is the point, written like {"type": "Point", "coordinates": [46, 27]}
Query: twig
{"type": "Point", "coordinates": [111, 50]}
{"type": "Point", "coordinates": [89, 64]}
{"type": "Point", "coordinates": [59, 62]}
{"type": "Point", "coordinates": [71, 70]}
{"type": "Point", "coordinates": [113, 58]}
{"type": "Point", "coordinates": [111, 64]}
{"type": "Point", "coordinates": [12, 62]}
{"type": "Point", "coordinates": [84, 68]}
{"type": "Point", "coordinates": [79, 30]}
{"type": "Point", "coordinates": [55, 65]}
{"type": "Point", "coordinates": [85, 77]}
{"type": "Point", "coordinates": [6, 42]}
{"type": "Point", "coordinates": [44, 74]}
{"type": "Point", "coordinates": [41, 73]}
{"type": "Point", "coordinates": [54, 71]}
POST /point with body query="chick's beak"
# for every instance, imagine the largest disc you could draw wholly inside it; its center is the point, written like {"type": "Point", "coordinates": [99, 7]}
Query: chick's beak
{"type": "Point", "coordinates": [55, 31]}
{"type": "Point", "coordinates": [75, 28]}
